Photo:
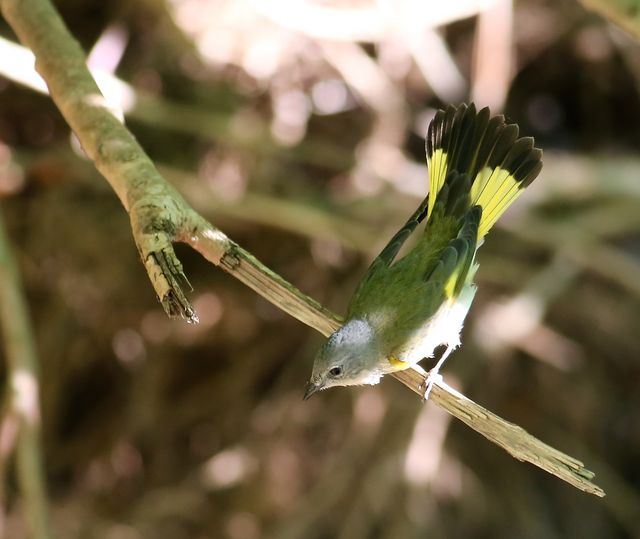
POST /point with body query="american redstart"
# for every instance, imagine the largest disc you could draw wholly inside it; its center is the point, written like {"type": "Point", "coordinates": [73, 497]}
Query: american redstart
{"type": "Point", "coordinates": [404, 309]}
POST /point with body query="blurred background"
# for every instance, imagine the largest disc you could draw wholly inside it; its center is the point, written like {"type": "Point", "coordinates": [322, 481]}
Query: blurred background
{"type": "Point", "coordinates": [297, 127]}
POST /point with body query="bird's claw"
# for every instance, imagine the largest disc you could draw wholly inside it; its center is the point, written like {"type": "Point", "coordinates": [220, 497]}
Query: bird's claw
{"type": "Point", "coordinates": [428, 383]}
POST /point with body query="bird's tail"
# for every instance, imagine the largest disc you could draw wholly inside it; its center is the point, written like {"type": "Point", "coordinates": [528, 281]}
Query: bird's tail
{"type": "Point", "coordinates": [497, 163]}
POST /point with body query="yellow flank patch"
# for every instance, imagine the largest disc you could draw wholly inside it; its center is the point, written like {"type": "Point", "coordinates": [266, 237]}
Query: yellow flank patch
{"type": "Point", "coordinates": [398, 364]}
{"type": "Point", "coordinates": [494, 190]}
{"type": "Point", "coordinates": [437, 174]}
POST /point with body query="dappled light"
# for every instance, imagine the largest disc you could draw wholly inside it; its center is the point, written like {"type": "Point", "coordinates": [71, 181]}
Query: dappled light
{"type": "Point", "coordinates": [297, 129]}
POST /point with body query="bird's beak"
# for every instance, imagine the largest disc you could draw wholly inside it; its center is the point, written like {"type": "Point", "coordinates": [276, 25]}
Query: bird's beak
{"type": "Point", "coordinates": [311, 389]}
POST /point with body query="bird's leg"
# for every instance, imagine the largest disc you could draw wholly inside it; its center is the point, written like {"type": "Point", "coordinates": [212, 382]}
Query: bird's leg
{"type": "Point", "coordinates": [434, 375]}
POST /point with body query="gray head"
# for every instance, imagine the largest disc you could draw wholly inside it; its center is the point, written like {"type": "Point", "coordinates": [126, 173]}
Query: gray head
{"type": "Point", "coordinates": [348, 357]}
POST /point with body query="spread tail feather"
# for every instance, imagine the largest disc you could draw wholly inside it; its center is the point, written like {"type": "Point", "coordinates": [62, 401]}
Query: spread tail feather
{"type": "Point", "coordinates": [487, 150]}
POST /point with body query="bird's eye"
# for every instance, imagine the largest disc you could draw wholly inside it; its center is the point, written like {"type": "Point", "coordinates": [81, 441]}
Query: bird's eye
{"type": "Point", "coordinates": [335, 371]}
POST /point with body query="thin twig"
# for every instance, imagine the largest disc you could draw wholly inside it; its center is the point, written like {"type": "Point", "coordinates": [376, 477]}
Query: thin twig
{"type": "Point", "coordinates": [159, 215]}
{"type": "Point", "coordinates": [23, 406]}
{"type": "Point", "coordinates": [217, 248]}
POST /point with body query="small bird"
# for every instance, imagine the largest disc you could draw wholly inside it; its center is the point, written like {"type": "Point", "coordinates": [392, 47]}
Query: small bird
{"type": "Point", "coordinates": [404, 309]}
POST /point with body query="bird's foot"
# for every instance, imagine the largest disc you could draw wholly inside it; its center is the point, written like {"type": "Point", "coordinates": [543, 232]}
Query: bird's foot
{"type": "Point", "coordinates": [432, 378]}
{"type": "Point", "coordinates": [434, 374]}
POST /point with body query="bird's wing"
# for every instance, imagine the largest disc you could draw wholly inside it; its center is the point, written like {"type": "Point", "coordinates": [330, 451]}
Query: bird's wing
{"type": "Point", "coordinates": [389, 253]}
{"type": "Point", "coordinates": [399, 299]}
{"type": "Point", "coordinates": [414, 321]}
{"type": "Point", "coordinates": [455, 265]}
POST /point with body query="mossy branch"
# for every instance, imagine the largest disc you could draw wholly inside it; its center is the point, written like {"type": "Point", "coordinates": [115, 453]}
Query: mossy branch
{"type": "Point", "coordinates": [157, 211]}
{"type": "Point", "coordinates": [159, 215]}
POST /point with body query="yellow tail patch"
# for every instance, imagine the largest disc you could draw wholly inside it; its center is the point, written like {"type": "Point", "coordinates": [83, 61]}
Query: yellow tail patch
{"type": "Point", "coordinates": [494, 190]}
{"type": "Point", "coordinates": [437, 173]}
{"type": "Point", "coordinates": [489, 151]}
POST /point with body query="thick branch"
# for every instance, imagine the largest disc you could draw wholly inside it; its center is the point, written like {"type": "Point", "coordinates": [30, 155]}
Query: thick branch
{"type": "Point", "coordinates": [157, 211]}
{"type": "Point", "coordinates": [21, 420]}
{"type": "Point", "coordinates": [159, 215]}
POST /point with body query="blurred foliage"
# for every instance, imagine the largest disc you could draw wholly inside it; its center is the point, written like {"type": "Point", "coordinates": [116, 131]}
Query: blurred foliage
{"type": "Point", "coordinates": [302, 138]}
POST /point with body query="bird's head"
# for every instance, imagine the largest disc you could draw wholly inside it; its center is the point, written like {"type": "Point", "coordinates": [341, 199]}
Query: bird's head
{"type": "Point", "coordinates": [349, 357]}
